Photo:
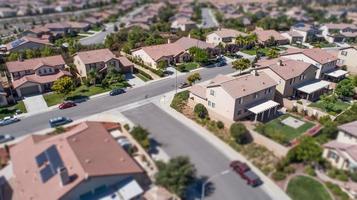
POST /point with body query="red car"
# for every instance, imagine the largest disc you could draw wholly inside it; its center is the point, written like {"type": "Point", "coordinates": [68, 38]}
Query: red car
{"type": "Point", "coordinates": [66, 104]}
{"type": "Point", "coordinates": [244, 171]}
{"type": "Point", "coordinates": [239, 167]}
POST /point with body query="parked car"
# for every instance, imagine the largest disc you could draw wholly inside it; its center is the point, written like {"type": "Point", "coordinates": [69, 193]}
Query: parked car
{"type": "Point", "coordinates": [67, 104]}
{"type": "Point", "coordinates": [183, 85]}
{"type": "Point", "coordinates": [246, 173]}
{"type": "Point", "coordinates": [58, 121]}
{"type": "Point", "coordinates": [6, 138]}
{"type": "Point", "coordinates": [239, 166]}
{"type": "Point", "coordinates": [117, 91]}
{"type": "Point", "coordinates": [8, 120]}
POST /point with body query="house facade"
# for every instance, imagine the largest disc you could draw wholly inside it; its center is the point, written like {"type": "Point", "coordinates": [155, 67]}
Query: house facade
{"type": "Point", "coordinates": [339, 32]}
{"type": "Point", "coordinates": [183, 24]}
{"type": "Point", "coordinates": [309, 32]}
{"type": "Point", "coordinates": [223, 36]}
{"type": "Point", "coordinates": [35, 76]}
{"type": "Point", "coordinates": [234, 98]}
{"type": "Point", "coordinates": [293, 37]}
{"type": "Point", "coordinates": [100, 60]}
{"type": "Point", "coordinates": [347, 56]}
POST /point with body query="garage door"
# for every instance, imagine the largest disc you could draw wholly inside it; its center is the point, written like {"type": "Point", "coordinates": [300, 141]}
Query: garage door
{"type": "Point", "coordinates": [30, 90]}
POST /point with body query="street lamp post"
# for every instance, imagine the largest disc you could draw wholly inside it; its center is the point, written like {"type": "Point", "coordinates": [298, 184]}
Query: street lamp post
{"type": "Point", "coordinates": [209, 180]}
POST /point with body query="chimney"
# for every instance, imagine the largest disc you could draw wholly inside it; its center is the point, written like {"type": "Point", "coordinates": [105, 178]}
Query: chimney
{"type": "Point", "coordinates": [63, 173]}
{"type": "Point", "coordinates": [280, 62]}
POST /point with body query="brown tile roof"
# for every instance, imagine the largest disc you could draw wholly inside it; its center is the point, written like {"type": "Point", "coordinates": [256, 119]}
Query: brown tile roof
{"type": "Point", "coordinates": [32, 64]}
{"type": "Point", "coordinates": [198, 90]}
{"type": "Point", "coordinates": [94, 56]}
{"type": "Point", "coordinates": [285, 68]}
{"type": "Point", "coordinates": [319, 55]}
{"type": "Point", "coordinates": [34, 78]}
{"type": "Point", "coordinates": [81, 158]}
{"type": "Point", "coordinates": [27, 39]}
{"type": "Point", "coordinates": [125, 61]}
{"type": "Point", "coordinates": [350, 149]}
{"type": "Point", "coordinates": [350, 128]}
{"type": "Point", "coordinates": [224, 33]}
{"type": "Point", "coordinates": [265, 35]}
{"type": "Point", "coordinates": [340, 26]}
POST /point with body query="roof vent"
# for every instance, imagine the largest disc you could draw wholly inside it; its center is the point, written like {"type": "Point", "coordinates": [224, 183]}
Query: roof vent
{"type": "Point", "coordinates": [280, 63]}
{"type": "Point", "coordinates": [263, 83]}
{"type": "Point", "coordinates": [243, 89]}
{"type": "Point", "coordinates": [87, 161]}
{"type": "Point", "coordinates": [63, 174]}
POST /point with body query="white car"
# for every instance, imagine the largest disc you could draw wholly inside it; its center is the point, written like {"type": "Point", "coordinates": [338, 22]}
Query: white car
{"type": "Point", "coordinates": [6, 138]}
{"type": "Point", "coordinates": [8, 120]}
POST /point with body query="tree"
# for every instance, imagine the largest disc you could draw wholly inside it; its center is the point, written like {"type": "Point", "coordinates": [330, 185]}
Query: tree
{"type": "Point", "coordinates": [307, 151]}
{"type": "Point", "coordinates": [142, 136]}
{"type": "Point", "coordinates": [176, 175]}
{"type": "Point", "coordinates": [199, 55]}
{"type": "Point", "coordinates": [63, 85]}
{"type": "Point", "coordinates": [47, 51]}
{"type": "Point", "coordinates": [272, 53]}
{"type": "Point", "coordinates": [93, 75]}
{"type": "Point", "coordinates": [240, 133]}
{"type": "Point", "coordinates": [162, 64]}
{"type": "Point", "coordinates": [241, 64]}
{"type": "Point", "coordinates": [345, 88]}
{"type": "Point", "coordinates": [201, 111]}
{"type": "Point", "coordinates": [193, 78]}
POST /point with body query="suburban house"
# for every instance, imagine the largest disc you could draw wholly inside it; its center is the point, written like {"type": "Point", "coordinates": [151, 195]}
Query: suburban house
{"type": "Point", "coordinates": [264, 37]}
{"type": "Point", "coordinates": [224, 36]}
{"type": "Point", "coordinates": [233, 98]}
{"type": "Point", "coordinates": [342, 152]}
{"type": "Point", "coordinates": [27, 42]}
{"type": "Point", "coordinates": [295, 78]}
{"type": "Point", "coordinates": [183, 24]}
{"type": "Point", "coordinates": [293, 37]}
{"type": "Point", "coordinates": [347, 56]}
{"type": "Point", "coordinates": [35, 76]}
{"type": "Point", "coordinates": [323, 60]}
{"type": "Point", "coordinates": [308, 31]}
{"type": "Point", "coordinates": [339, 32]}
{"type": "Point", "coordinates": [100, 60]}
{"type": "Point", "coordinates": [171, 52]}
{"type": "Point", "coordinates": [69, 166]}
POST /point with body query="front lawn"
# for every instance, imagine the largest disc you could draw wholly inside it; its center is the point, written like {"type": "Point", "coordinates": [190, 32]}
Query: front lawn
{"type": "Point", "coordinates": [306, 188]}
{"type": "Point", "coordinates": [323, 44]}
{"type": "Point", "coordinates": [11, 110]}
{"type": "Point", "coordinates": [186, 67]}
{"type": "Point", "coordinates": [338, 107]}
{"type": "Point", "coordinates": [81, 92]}
{"type": "Point", "coordinates": [265, 50]}
{"type": "Point", "coordinates": [282, 133]}
{"type": "Point", "coordinates": [142, 77]}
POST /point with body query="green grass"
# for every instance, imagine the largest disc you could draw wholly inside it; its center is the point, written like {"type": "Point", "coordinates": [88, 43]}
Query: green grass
{"type": "Point", "coordinates": [339, 106]}
{"type": "Point", "coordinates": [81, 92]}
{"type": "Point", "coordinates": [186, 67]}
{"type": "Point", "coordinates": [11, 110]}
{"type": "Point", "coordinates": [97, 28]}
{"type": "Point", "coordinates": [306, 188]}
{"type": "Point", "coordinates": [142, 77]}
{"type": "Point", "coordinates": [323, 44]}
{"type": "Point", "coordinates": [263, 50]}
{"type": "Point", "coordinates": [280, 132]}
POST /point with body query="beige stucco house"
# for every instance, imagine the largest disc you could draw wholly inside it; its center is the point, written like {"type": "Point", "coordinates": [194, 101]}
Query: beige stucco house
{"type": "Point", "coordinates": [233, 98]}
{"type": "Point", "coordinates": [223, 36]}
{"type": "Point", "coordinates": [347, 56]}
{"type": "Point", "coordinates": [100, 60]}
{"type": "Point", "coordinates": [35, 76]}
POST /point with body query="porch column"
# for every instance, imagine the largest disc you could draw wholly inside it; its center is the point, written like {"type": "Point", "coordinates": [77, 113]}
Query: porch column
{"type": "Point", "coordinates": [262, 119]}
{"type": "Point", "coordinates": [307, 96]}
{"type": "Point", "coordinates": [269, 113]}
{"type": "Point", "coordinates": [256, 117]}
{"type": "Point", "coordinates": [276, 108]}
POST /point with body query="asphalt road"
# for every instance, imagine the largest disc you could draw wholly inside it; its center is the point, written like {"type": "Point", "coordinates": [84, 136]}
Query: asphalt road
{"type": "Point", "coordinates": [208, 19]}
{"type": "Point", "coordinates": [100, 104]}
{"type": "Point", "coordinates": [177, 139]}
{"type": "Point", "coordinates": [98, 38]}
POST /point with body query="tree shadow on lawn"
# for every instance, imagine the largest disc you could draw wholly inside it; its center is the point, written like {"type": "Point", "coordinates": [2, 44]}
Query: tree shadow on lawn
{"type": "Point", "coordinates": [194, 191]}
{"type": "Point", "coordinates": [78, 98]}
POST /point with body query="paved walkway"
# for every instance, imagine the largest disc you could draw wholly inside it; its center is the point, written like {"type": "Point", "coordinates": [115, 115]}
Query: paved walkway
{"type": "Point", "coordinates": [35, 104]}
{"type": "Point", "coordinates": [247, 56]}
{"type": "Point", "coordinates": [133, 80]}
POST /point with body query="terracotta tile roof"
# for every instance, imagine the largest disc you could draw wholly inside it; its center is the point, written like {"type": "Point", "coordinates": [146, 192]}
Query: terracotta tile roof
{"type": "Point", "coordinates": [285, 68]}
{"type": "Point", "coordinates": [265, 35]}
{"type": "Point", "coordinates": [184, 20]}
{"type": "Point", "coordinates": [73, 24]}
{"type": "Point", "coordinates": [319, 55]}
{"type": "Point", "coordinates": [94, 56]}
{"type": "Point", "coordinates": [294, 34]}
{"type": "Point", "coordinates": [34, 78]}
{"type": "Point", "coordinates": [57, 25]}
{"type": "Point", "coordinates": [198, 90]}
{"type": "Point", "coordinates": [340, 26]}
{"type": "Point", "coordinates": [224, 33]}
{"type": "Point", "coordinates": [26, 39]}
{"type": "Point", "coordinates": [350, 149]}
{"type": "Point", "coordinates": [80, 157]}
{"type": "Point", "coordinates": [125, 61]}
{"type": "Point", "coordinates": [350, 128]}
{"type": "Point", "coordinates": [32, 64]}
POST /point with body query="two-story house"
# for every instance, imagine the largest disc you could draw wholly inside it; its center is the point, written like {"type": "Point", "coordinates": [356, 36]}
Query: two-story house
{"type": "Point", "coordinates": [35, 76]}
{"type": "Point", "coordinates": [264, 37]}
{"type": "Point", "coordinates": [233, 98]}
{"type": "Point", "coordinates": [339, 32]}
{"type": "Point", "coordinates": [295, 78]}
{"type": "Point", "coordinates": [223, 36]}
{"type": "Point", "coordinates": [347, 56]}
{"type": "Point", "coordinates": [309, 32]}
{"type": "Point", "coordinates": [323, 60]}
{"type": "Point", "coordinates": [100, 60]}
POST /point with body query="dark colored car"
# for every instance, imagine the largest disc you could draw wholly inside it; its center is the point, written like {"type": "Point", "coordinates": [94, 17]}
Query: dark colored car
{"type": "Point", "coordinates": [115, 92]}
{"type": "Point", "coordinates": [58, 121]}
{"type": "Point", "coordinates": [252, 178]}
{"type": "Point", "coordinates": [183, 85]}
{"type": "Point", "coordinates": [67, 104]}
{"type": "Point", "coordinates": [6, 138]}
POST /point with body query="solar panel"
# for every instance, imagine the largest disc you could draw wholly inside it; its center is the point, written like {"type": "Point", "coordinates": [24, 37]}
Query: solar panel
{"type": "Point", "coordinates": [41, 159]}
{"type": "Point", "coordinates": [54, 158]}
{"type": "Point", "coordinates": [46, 174]}
{"type": "Point", "coordinates": [17, 42]}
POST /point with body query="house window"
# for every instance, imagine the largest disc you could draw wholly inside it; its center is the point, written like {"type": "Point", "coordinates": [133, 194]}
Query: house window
{"type": "Point", "coordinates": [240, 100]}
{"type": "Point", "coordinates": [269, 90]}
{"type": "Point", "coordinates": [333, 155]}
{"type": "Point", "coordinates": [213, 105]}
{"type": "Point", "coordinates": [211, 92]}
{"type": "Point", "coordinates": [344, 53]}
{"type": "Point", "coordinates": [209, 103]}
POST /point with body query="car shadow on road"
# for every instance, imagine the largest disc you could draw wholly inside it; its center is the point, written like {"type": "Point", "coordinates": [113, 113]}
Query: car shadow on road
{"type": "Point", "coordinates": [194, 191]}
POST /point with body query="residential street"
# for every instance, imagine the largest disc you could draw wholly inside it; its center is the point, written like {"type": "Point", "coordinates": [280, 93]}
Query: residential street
{"type": "Point", "coordinates": [177, 139]}
{"type": "Point", "coordinates": [99, 37]}
{"type": "Point", "coordinates": [208, 19]}
{"type": "Point", "coordinates": [40, 121]}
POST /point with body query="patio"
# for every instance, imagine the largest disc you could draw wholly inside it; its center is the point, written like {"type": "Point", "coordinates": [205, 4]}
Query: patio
{"type": "Point", "coordinates": [312, 91]}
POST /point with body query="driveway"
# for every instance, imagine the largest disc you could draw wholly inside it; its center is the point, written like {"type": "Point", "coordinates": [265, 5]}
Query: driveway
{"type": "Point", "coordinates": [133, 80]}
{"type": "Point", "coordinates": [208, 18]}
{"type": "Point", "coordinates": [175, 138]}
{"type": "Point", "coordinates": [247, 56]}
{"type": "Point", "coordinates": [35, 104]}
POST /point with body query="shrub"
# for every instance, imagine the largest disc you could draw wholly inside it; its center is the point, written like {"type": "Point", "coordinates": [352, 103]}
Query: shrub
{"type": "Point", "coordinates": [142, 136]}
{"type": "Point", "coordinates": [240, 133]}
{"type": "Point", "coordinates": [337, 174]}
{"type": "Point", "coordinates": [278, 176]}
{"type": "Point", "coordinates": [336, 190]}
{"type": "Point", "coordinates": [180, 100]}
{"type": "Point", "coordinates": [289, 170]}
{"type": "Point", "coordinates": [201, 111]}
{"type": "Point", "coordinates": [310, 170]}
{"type": "Point", "coordinates": [353, 176]}
{"type": "Point", "coordinates": [127, 127]}
{"type": "Point", "coordinates": [220, 125]}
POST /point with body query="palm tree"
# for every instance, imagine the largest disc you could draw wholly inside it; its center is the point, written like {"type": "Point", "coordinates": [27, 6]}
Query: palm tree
{"type": "Point", "coordinates": [93, 75]}
{"type": "Point", "coordinates": [241, 64]}
{"type": "Point", "coordinates": [240, 41]}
